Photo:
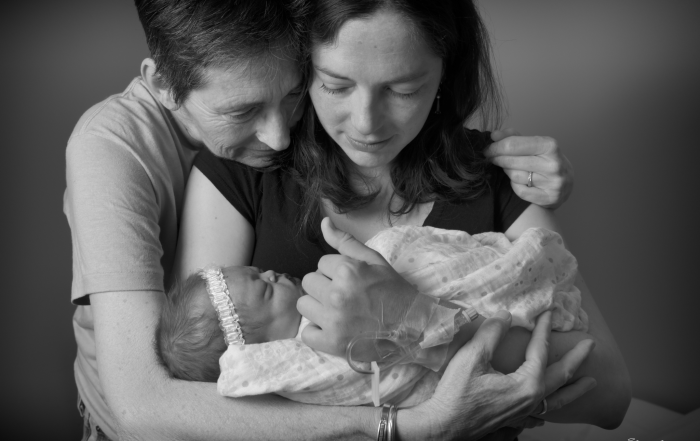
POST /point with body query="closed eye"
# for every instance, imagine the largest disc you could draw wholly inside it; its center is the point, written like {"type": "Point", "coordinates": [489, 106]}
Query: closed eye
{"type": "Point", "coordinates": [240, 117]}
{"type": "Point", "coordinates": [336, 91]}
{"type": "Point", "coordinates": [404, 96]}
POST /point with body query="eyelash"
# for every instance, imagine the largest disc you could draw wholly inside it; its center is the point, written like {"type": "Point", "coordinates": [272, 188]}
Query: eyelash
{"type": "Point", "coordinates": [404, 96]}
{"type": "Point", "coordinates": [242, 117]}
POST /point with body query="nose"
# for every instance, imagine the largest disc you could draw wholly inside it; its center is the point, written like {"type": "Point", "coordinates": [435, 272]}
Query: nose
{"type": "Point", "coordinates": [274, 130]}
{"type": "Point", "coordinates": [269, 275]}
{"type": "Point", "coordinates": [366, 114]}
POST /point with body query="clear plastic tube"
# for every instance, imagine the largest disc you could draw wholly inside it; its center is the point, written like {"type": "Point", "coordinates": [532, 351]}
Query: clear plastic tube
{"type": "Point", "coordinates": [403, 353]}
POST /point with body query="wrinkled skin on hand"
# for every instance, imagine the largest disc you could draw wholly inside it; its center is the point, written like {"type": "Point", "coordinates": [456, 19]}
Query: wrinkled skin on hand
{"type": "Point", "coordinates": [552, 172]}
{"type": "Point", "coordinates": [473, 400]}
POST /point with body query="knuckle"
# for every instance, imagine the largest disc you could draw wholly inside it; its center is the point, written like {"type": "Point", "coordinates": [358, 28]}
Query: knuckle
{"type": "Point", "coordinates": [520, 191]}
{"type": "Point", "coordinates": [556, 168]}
{"type": "Point", "coordinates": [509, 145]}
{"type": "Point", "coordinates": [344, 270]}
{"type": "Point", "coordinates": [557, 181]}
{"type": "Point", "coordinates": [534, 390]}
{"type": "Point", "coordinates": [337, 299]}
{"type": "Point", "coordinates": [569, 374]}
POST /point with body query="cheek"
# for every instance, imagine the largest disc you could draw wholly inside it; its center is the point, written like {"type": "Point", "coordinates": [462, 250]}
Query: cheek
{"type": "Point", "coordinates": [220, 132]}
{"type": "Point", "coordinates": [326, 106]}
{"type": "Point", "coordinates": [413, 117]}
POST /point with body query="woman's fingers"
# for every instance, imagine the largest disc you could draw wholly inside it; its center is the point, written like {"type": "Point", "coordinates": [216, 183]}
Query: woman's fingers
{"type": "Point", "coordinates": [559, 373]}
{"type": "Point", "coordinates": [527, 423]}
{"type": "Point", "coordinates": [488, 336]}
{"type": "Point", "coordinates": [536, 352]}
{"type": "Point", "coordinates": [315, 338]}
{"type": "Point", "coordinates": [523, 146]}
{"type": "Point", "coordinates": [525, 164]}
{"type": "Point", "coordinates": [348, 246]}
{"type": "Point", "coordinates": [315, 285]}
{"type": "Point", "coordinates": [519, 156]}
{"type": "Point", "coordinates": [498, 135]}
{"type": "Point", "coordinates": [565, 395]}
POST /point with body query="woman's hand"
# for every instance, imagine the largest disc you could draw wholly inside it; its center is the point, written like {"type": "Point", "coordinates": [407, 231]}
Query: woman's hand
{"type": "Point", "coordinates": [473, 400]}
{"type": "Point", "coordinates": [351, 293]}
{"type": "Point", "coordinates": [552, 173]}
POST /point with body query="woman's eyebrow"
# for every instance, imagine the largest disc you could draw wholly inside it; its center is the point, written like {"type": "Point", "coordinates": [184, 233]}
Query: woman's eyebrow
{"type": "Point", "coordinates": [330, 73]}
{"type": "Point", "coordinates": [401, 79]}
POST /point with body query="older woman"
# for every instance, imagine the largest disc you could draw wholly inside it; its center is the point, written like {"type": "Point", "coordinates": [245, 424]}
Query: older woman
{"type": "Point", "coordinates": [224, 77]}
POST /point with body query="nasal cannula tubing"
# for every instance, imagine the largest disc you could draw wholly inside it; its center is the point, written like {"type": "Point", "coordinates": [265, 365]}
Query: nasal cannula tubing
{"type": "Point", "coordinates": [464, 316]}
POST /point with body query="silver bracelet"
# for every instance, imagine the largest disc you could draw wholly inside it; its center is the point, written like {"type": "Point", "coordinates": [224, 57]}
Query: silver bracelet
{"type": "Point", "coordinates": [391, 427]}
{"type": "Point", "coordinates": [387, 424]}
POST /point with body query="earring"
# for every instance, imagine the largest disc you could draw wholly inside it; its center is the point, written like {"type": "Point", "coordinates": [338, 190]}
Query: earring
{"type": "Point", "coordinates": [437, 102]}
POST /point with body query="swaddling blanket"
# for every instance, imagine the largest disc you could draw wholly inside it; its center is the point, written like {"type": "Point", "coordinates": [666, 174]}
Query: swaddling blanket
{"type": "Point", "coordinates": [486, 271]}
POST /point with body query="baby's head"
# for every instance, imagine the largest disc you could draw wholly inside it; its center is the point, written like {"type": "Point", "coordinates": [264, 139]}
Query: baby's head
{"type": "Point", "coordinates": [189, 338]}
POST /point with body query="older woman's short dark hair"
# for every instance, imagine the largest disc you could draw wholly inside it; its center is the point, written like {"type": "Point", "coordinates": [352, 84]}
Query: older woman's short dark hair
{"type": "Point", "coordinates": [186, 36]}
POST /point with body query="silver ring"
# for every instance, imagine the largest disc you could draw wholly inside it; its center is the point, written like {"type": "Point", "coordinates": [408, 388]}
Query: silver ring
{"type": "Point", "coordinates": [544, 409]}
{"type": "Point", "coordinates": [529, 180]}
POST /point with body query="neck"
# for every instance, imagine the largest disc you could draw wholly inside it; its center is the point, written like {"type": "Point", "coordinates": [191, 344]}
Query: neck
{"type": "Point", "coordinates": [368, 180]}
{"type": "Point", "coordinates": [183, 133]}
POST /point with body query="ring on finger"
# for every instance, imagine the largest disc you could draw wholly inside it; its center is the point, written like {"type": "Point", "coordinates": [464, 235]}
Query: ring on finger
{"type": "Point", "coordinates": [529, 180]}
{"type": "Point", "coordinates": [544, 407]}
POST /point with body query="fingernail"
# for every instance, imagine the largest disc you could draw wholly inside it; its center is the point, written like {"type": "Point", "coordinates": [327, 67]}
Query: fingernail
{"type": "Point", "coordinates": [504, 315]}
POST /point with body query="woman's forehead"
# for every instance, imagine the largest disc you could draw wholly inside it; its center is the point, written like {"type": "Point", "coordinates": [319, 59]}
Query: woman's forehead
{"type": "Point", "coordinates": [248, 83]}
{"type": "Point", "coordinates": [383, 40]}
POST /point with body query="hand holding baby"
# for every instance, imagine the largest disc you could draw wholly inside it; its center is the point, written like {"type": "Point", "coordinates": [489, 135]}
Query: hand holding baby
{"type": "Point", "coordinates": [351, 293]}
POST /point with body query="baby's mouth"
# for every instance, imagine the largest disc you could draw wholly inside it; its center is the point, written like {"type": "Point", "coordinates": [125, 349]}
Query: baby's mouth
{"type": "Point", "coordinates": [297, 283]}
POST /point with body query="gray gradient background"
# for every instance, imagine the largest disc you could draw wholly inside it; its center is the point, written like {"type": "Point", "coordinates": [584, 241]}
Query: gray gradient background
{"type": "Point", "coordinates": [615, 81]}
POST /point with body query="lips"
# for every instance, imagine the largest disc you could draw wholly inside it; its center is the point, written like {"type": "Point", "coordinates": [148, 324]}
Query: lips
{"type": "Point", "coordinates": [367, 145]}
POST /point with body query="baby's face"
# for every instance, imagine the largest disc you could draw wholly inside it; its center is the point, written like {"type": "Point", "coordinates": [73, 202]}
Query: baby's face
{"type": "Point", "coordinates": [267, 298]}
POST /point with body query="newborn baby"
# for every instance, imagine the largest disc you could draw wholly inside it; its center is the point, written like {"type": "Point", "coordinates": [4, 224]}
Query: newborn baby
{"type": "Point", "coordinates": [486, 272]}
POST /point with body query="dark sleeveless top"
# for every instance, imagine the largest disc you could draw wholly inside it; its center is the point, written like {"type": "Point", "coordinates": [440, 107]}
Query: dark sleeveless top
{"type": "Point", "coordinates": [269, 201]}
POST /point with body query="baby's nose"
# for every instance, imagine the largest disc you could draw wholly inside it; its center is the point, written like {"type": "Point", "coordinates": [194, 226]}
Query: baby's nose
{"type": "Point", "coordinates": [269, 275]}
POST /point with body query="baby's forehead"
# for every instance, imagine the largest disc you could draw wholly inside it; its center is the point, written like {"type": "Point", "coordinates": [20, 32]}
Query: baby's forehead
{"type": "Point", "coordinates": [244, 272]}
{"type": "Point", "coordinates": [239, 278]}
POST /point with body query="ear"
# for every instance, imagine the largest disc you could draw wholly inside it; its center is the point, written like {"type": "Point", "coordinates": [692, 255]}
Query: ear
{"type": "Point", "coordinates": [156, 86]}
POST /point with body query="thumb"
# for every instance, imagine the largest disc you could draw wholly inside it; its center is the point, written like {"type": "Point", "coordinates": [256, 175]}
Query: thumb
{"type": "Point", "coordinates": [348, 246]}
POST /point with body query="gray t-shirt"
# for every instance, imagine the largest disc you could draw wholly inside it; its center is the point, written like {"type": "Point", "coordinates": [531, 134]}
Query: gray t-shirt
{"type": "Point", "coordinates": [127, 166]}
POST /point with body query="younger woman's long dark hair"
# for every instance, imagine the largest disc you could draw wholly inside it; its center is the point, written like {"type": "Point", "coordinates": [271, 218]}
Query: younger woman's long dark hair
{"type": "Point", "coordinates": [442, 162]}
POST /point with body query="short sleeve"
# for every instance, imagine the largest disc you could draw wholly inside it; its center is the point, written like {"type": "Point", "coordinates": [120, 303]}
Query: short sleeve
{"type": "Point", "coordinates": [238, 183]}
{"type": "Point", "coordinates": [508, 205]}
{"type": "Point", "coordinates": [113, 213]}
